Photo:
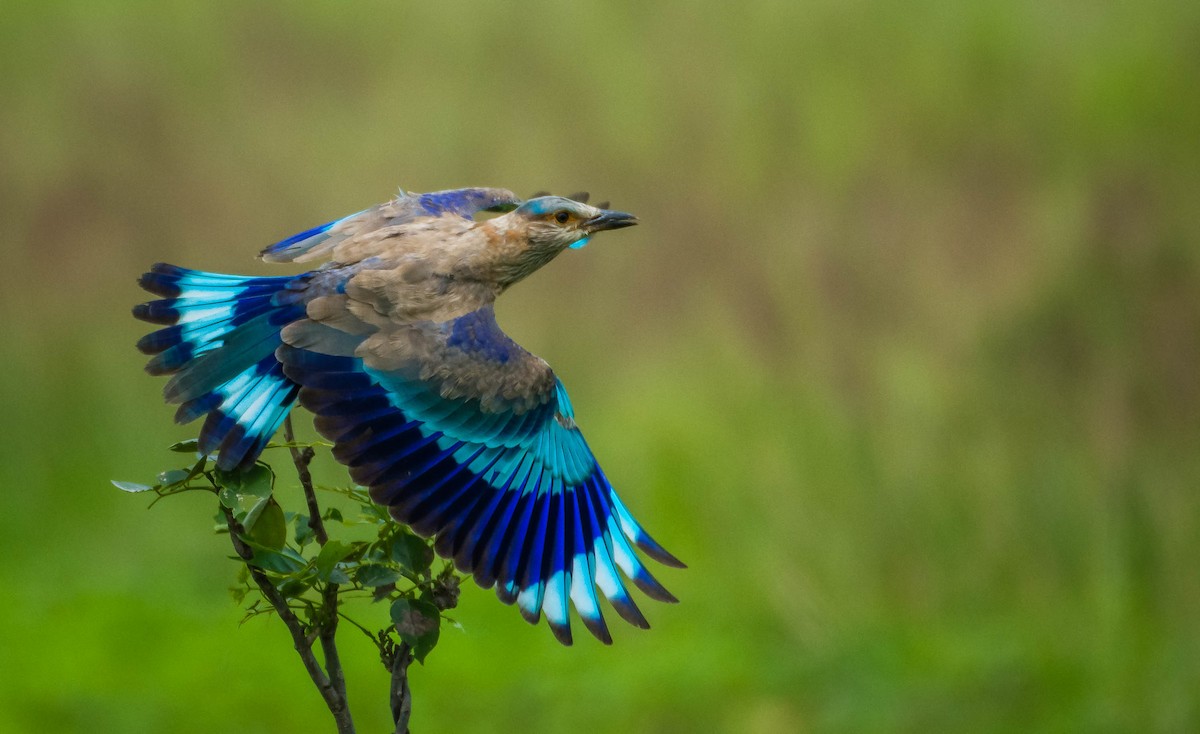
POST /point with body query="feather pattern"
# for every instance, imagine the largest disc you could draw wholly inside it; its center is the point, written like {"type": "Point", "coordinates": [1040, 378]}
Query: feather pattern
{"type": "Point", "coordinates": [218, 346]}
{"type": "Point", "coordinates": [522, 506]}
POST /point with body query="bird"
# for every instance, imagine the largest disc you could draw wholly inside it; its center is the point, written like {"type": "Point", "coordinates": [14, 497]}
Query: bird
{"type": "Point", "coordinates": [393, 346]}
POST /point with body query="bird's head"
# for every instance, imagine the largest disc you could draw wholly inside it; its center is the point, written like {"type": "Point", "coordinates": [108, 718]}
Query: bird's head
{"type": "Point", "coordinates": [547, 225]}
{"type": "Point", "coordinates": [557, 222]}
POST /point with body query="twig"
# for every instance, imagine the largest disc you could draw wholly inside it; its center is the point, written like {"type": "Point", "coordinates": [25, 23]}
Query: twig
{"type": "Point", "coordinates": [332, 687]}
{"type": "Point", "coordinates": [401, 694]}
{"type": "Point", "coordinates": [302, 458]}
{"type": "Point", "coordinates": [398, 657]}
{"type": "Point", "coordinates": [370, 635]}
{"type": "Point", "coordinates": [327, 634]}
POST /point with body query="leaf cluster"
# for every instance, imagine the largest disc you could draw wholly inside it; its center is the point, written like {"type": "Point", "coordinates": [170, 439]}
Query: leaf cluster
{"type": "Point", "coordinates": [391, 564]}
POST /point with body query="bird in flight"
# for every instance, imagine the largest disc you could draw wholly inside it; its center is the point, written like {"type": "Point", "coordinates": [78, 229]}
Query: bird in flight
{"type": "Point", "coordinates": [393, 345]}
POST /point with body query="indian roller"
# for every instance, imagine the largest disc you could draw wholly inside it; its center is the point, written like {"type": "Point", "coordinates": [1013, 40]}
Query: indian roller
{"type": "Point", "coordinates": [393, 346]}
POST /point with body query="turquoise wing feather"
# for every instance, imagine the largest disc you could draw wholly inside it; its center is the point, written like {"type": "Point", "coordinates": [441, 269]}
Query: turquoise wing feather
{"type": "Point", "coordinates": [467, 437]}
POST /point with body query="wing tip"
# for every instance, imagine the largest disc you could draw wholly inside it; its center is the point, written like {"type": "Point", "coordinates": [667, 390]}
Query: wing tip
{"type": "Point", "coordinates": [658, 553]}
{"type": "Point", "coordinates": [627, 610]}
{"type": "Point", "coordinates": [562, 632]}
{"type": "Point", "coordinates": [597, 627]}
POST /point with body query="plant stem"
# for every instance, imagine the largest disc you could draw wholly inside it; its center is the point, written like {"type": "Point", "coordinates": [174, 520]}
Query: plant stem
{"type": "Point", "coordinates": [398, 657]}
{"type": "Point", "coordinates": [401, 696]}
{"type": "Point", "coordinates": [302, 458]}
{"type": "Point", "coordinates": [327, 635]}
{"type": "Point", "coordinates": [332, 687]}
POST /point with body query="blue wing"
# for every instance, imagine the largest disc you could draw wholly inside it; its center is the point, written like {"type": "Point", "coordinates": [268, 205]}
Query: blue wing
{"type": "Point", "coordinates": [315, 242]}
{"type": "Point", "coordinates": [505, 482]}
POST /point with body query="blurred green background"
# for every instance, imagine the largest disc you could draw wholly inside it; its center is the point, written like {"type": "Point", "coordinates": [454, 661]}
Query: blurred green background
{"type": "Point", "coordinates": [904, 359]}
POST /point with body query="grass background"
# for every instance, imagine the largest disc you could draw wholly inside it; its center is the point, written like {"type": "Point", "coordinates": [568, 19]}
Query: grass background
{"type": "Point", "coordinates": [903, 359]}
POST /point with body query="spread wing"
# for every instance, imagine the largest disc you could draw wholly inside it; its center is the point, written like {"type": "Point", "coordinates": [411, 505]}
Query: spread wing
{"type": "Point", "coordinates": [466, 436]}
{"type": "Point", "coordinates": [319, 241]}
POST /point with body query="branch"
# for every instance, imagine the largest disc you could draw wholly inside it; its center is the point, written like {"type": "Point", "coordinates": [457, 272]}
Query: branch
{"type": "Point", "coordinates": [302, 458]}
{"type": "Point", "coordinates": [397, 657]}
{"type": "Point", "coordinates": [401, 695]}
{"type": "Point", "coordinates": [333, 662]}
{"type": "Point", "coordinates": [333, 691]}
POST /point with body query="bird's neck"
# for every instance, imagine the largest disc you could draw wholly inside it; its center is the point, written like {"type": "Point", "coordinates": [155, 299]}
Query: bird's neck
{"type": "Point", "coordinates": [509, 256]}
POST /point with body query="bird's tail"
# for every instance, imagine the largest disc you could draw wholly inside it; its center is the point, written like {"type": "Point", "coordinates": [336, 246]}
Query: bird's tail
{"type": "Point", "coordinates": [218, 345]}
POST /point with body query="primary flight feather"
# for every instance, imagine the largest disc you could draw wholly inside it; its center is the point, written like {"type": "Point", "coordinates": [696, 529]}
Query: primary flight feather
{"type": "Point", "coordinates": [393, 345]}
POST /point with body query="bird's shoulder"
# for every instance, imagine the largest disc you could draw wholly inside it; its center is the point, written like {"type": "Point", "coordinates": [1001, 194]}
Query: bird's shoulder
{"type": "Point", "coordinates": [468, 357]}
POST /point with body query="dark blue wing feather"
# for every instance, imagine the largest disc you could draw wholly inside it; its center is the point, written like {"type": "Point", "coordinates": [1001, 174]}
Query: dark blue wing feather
{"type": "Point", "coordinates": [514, 497]}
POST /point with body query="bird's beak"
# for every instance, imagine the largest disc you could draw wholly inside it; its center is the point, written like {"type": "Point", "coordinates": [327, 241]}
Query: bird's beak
{"type": "Point", "coordinates": [609, 219]}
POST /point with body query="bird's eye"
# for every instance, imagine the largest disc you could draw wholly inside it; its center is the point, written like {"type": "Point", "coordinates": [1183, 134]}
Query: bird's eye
{"type": "Point", "coordinates": [561, 217]}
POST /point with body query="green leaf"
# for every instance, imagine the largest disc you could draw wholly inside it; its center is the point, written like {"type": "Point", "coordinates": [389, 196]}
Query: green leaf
{"type": "Point", "coordinates": [198, 468]}
{"type": "Point", "coordinates": [411, 552]}
{"type": "Point", "coordinates": [331, 554]}
{"type": "Point", "coordinates": [282, 561]}
{"type": "Point", "coordinates": [189, 446]}
{"type": "Point", "coordinates": [228, 498]}
{"type": "Point", "coordinates": [304, 532]}
{"type": "Point", "coordinates": [426, 645]}
{"type": "Point", "coordinates": [382, 592]}
{"type": "Point", "coordinates": [250, 517]}
{"type": "Point", "coordinates": [255, 481]}
{"type": "Point", "coordinates": [375, 574]}
{"type": "Point", "coordinates": [375, 515]}
{"type": "Point", "coordinates": [131, 486]}
{"type": "Point", "coordinates": [219, 524]}
{"type": "Point", "coordinates": [333, 514]}
{"type": "Point", "coordinates": [418, 623]}
{"type": "Point", "coordinates": [378, 552]}
{"type": "Point", "coordinates": [296, 586]}
{"type": "Point", "coordinates": [338, 576]}
{"type": "Point", "coordinates": [270, 529]}
{"type": "Point", "coordinates": [174, 476]}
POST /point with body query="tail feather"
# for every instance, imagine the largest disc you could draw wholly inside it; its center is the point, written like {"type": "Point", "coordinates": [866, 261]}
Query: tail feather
{"type": "Point", "coordinates": [223, 360]}
{"type": "Point", "coordinates": [218, 344]}
{"type": "Point", "coordinates": [196, 328]}
{"type": "Point", "coordinates": [249, 415]}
